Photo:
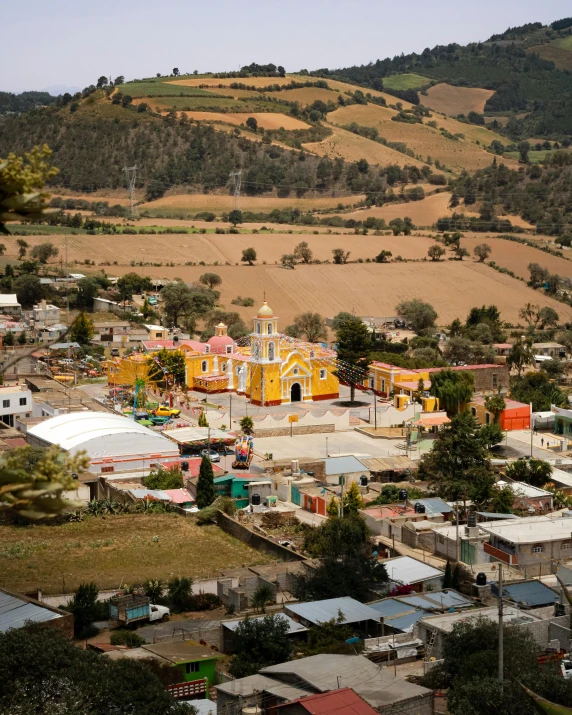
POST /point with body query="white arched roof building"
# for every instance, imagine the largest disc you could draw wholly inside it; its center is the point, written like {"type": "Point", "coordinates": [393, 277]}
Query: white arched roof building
{"type": "Point", "coordinates": [113, 443]}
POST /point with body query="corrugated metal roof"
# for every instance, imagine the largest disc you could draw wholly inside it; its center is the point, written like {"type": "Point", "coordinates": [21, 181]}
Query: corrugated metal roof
{"type": "Point", "coordinates": [529, 593]}
{"type": "Point", "coordinates": [405, 623]}
{"type": "Point", "coordinates": [406, 570]}
{"type": "Point", "coordinates": [434, 505]}
{"type": "Point", "coordinates": [390, 607]}
{"type": "Point", "coordinates": [493, 515]}
{"type": "Point", "coordinates": [341, 465]}
{"type": "Point", "coordinates": [323, 611]}
{"type": "Point", "coordinates": [441, 600]}
{"type": "Point", "coordinates": [14, 612]}
{"type": "Point", "coordinates": [293, 626]}
{"type": "Point", "coordinates": [150, 494]}
{"type": "Point", "coordinates": [384, 464]}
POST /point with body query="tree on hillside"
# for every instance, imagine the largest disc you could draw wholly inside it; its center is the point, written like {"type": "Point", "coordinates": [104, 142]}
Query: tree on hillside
{"type": "Point", "coordinates": [524, 148]}
{"type": "Point", "coordinates": [84, 608]}
{"type": "Point", "coordinates": [482, 251]}
{"type": "Point", "coordinates": [458, 465]}
{"type": "Point", "coordinates": [303, 252]}
{"type": "Point", "coordinates": [176, 301]}
{"type": "Point", "coordinates": [353, 347]}
{"type": "Point", "coordinates": [119, 80]}
{"type": "Point", "coordinates": [538, 275]}
{"type": "Point", "coordinates": [340, 256]}
{"type": "Point", "coordinates": [288, 260]}
{"type": "Point", "coordinates": [309, 326]}
{"type": "Point", "coordinates": [88, 288]}
{"type": "Point", "coordinates": [547, 318]}
{"type": "Point", "coordinates": [205, 486]}
{"type": "Point", "coordinates": [102, 81]}
{"type": "Point", "coordinates": [212, 280]}
{"type": "Point", "coordinates": [341, 318]}
{"type": "Point", "coordinates": [235, 217]}
{"type": "Point", "coordinates": [176, 71]}
{"type": "Point", "coordinates": [44, 251]}
{"type": "Point", "coordinates": [347, 564]}
{"type": "Point", "coordinates": [467, 351]}
{"type": "Point", "coordinates": [82, 330]}
{"type": "Point", "coordinates": [248, 256]}
{"type": "Point", "coordinates": [435, 252]}
{"type": "Point", "coordinates": [383, 256]}
{"type": "Point", "coordinates": [460, 252]}
{"type": "Point", "coordinates": [453, 388]}
{"type": "Point", "coordinates": [22, 246]}
{"type": "Point", "coordinates": [419, 315]}
{"type": "Point", "coordinates": [259, 643]}
{"type": "Point", "coordinates": [252, 124]}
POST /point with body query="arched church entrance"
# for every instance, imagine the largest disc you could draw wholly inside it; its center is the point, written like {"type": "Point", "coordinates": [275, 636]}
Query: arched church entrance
{"type": "Point", "coordinates": [296, 392]}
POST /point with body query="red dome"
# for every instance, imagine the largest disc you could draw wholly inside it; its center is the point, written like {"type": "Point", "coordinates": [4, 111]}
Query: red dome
{"type": "Point", "coordinates": [219, 343]}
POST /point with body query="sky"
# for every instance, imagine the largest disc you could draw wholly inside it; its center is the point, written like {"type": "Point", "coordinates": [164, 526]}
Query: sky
{"type": "Point", "coordinates": [72, 42]}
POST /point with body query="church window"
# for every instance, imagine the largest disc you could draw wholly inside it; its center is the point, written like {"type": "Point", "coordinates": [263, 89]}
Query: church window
{"type": "Point", "coordinates": [295, 371]}
{"type": "Point", "coordinates": [229, 349]}
{"type": "Point", "coordinates": [258, 327]}
{"type": "Point", "coordinates": [323, 373]}
{"type": "Point", "coordinates": [207, 348]}
{"type": "Point", "coordinates": [270, 330]}
{"type": "Point", "coordinates": [223, 366]}
{"type": "Point", "coordinates": [271, 351]}
{"type": "Point", "coordinates": [204, 366]}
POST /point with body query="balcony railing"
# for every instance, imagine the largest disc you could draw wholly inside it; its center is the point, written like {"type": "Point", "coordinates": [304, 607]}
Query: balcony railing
{"type": "Point", "coordinates": [182, 691]}
{"type": "Point", "coordinates": [511, 559]}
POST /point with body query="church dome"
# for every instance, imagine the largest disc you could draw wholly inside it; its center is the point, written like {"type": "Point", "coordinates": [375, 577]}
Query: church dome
{"type": "Point", "coordinates": [219, 342]}
{"type": "Point", "coordinates": [265, 311]}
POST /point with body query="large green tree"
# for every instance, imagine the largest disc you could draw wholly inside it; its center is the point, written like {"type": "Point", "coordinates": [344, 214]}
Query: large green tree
{"type": "Point", "coordinates": [82, 330]}
{"type": "Point", "coordinates": [419, 315]}
{"type": "Point", "coordinates": [205, 485]}
{"type": "Point", "coordinates": [42, 672]}
{"type": "Point", "coordinates": [310, 326]}
{"type": "Point", "coordinates": [347, 564]}
{"type": "Point", "coordinates": [28, 290]}
{"type": "Point", "coordinates": [533, 471]}
{"type": "Point", "coordinates": [536, 387]}
{"type": "Point", "coordinates": [258, 643]}
{"type": "Point", "coordinates": [353, 346]}
{"type": "Point", "coordinates": [177, 301]}
{"type": "Point", "coordinates": [458, 465]}
{"type": "Point", "coordinates": [453, 388]}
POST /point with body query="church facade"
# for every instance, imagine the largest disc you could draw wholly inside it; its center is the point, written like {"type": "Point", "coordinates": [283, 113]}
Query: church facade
{"type": "Point", "coordinates": [272, 370]}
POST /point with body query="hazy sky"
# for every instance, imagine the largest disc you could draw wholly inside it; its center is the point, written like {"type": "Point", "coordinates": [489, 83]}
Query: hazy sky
{"type": "Point", "coordinates": [72, 42]}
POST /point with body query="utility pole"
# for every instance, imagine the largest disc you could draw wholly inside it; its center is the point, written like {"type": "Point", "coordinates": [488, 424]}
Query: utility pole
{"type": "Point", "coordinates": [67, 286]}
{"type": "Point", "coordinates": [131, 175]}
{"type": "Point", "coordinates": [374, 409]}
{"type": "Point", "coordinates": [457, 530]}
{"type": "Point", "coordinates": [230, 412]}
{"type": "Point", "coordinates": [236, 177]}
{"type": "Point", "coordinates": [531, 430]}
{"type": "Point", "coordinates": [501, 640]}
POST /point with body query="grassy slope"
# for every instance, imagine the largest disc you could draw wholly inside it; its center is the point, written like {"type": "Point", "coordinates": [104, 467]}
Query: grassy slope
{"type": "Point", "coordinates": [405, 81]}
{"type": "Point", "coordinates": [161, 89]}
{"type": "Point", "coordinates": [559, 51]}
{"type": "Point", "coordinates": [447, 99]}
{"type": "Point", "coordinates": [116, 550]}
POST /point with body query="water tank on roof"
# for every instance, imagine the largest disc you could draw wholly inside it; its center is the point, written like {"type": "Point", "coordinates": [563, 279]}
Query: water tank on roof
{"type": "Point", "coordinates": [184, 466]}
{"type": "Point", "coordinates": [255, 501]}
{"type": "Point", "coordinates": [472, 519]}
{"type": "Point", "coordinates": [363, 481]}
{"type": "Point", "coordinates": [402, 494]}
{"type": "Point", "coordinates": [420, 508]}
{"type": "Point", "coordinates": [481, 579]}
{"type": "Point", "coordinates": [175, 338]}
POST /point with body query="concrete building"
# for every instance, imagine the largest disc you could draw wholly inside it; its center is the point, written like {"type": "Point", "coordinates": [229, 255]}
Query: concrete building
{"type": "Point", "coordinates": [113, 443]}
{"type": "Point", "coordinates": [9, 305]}
{"type": "Point", "coordinates": [562, 421]}
{"type": "Point", "coordinates": [532, 544]}
{"type": "Point", "coordinates": [552, 350]}
{"type": "Point", "coordinates": [286, 682]}
{"type": "Point", "coordinates": [530, 498]}
{"type": "Point", "coordinates": [45, 314]}
{"type": "Point", "coordinates": [15, 402]}
{"type": "Point", "coordinates": [389, 520]}
{"type": "Point", "coordinates": [515, 416]}
{"type": "Point", "coordinates": [342, 702]}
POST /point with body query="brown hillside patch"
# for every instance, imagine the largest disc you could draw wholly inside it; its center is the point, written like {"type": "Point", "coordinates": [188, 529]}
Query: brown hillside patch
{"type": "Point", "coordinates": [351, 147]}
{"type": "Point", "coordinates": [472, 132]}
{"type": "Point", "coordinates": [456, 100]}
{"type": "Point", "coordinates": [453, 287]}
{"type": "Point", "coordinates": [345, 87]}
{"type": "Point", "coordinates": [116, 550]}
{"type": "Point", "coordinates": [267, 120]}
{"type": "Point", "coordinates": [423, 213]}
{"type": "Point", "coordinates": [219, 203]}
{"type": "Point", "coordinates": [226, 81]}
{"type": "Point", "coordinates": [306, 95]}
{"type": "Point", "coordinates": [420, 138]}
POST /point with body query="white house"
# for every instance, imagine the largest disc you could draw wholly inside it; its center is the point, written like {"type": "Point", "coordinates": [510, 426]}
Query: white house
{"type": "Point", "coordinates": [9, 304]}
{"type": "Point", "coordinates": [15, 401]}
{"type": "Point", "coordinates": [45, 314]}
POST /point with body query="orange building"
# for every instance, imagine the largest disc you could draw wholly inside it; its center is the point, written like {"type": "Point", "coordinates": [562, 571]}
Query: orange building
{"type": "Point", "coordinates": [515, 416]}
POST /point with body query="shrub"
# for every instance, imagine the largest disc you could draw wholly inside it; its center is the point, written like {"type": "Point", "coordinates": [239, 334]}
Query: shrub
{"type": "Point", "coordinates": [128, 638]}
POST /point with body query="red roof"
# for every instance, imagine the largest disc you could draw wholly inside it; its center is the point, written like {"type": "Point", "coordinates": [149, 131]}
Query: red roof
{"type": "Point", "coordinates": [342, 702]}
{"type": "Point", "coordinates": [178, 496]}
{"type": "Point", "coordinates": [463, 367]}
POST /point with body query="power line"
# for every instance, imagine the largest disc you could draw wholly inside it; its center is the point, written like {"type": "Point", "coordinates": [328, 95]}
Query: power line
{"type": "Point", "coordinates": [236, 177]}
{"type": "Point", "coordinates": [131, 175]}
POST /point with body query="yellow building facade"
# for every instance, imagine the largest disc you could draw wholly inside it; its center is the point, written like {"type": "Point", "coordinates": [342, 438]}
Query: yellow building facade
{"type": "Point", "coordinates": [272, 370]}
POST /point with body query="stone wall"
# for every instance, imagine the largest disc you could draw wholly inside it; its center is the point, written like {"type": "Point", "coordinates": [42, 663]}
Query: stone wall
{"type": "Point", "coordinates": [256, 541]}
{"type": "Point", "coordinates": [422, 705]}
{"type": "Point", "coordinates": [296, 429]}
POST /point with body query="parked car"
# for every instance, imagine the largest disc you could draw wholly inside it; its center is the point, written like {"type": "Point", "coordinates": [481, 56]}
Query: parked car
{"type": "Point", "coordinates": [141, 415]}
{"type": "Point", "coordinates": [152, 300]}
{"type": "Point", "coordinates": [154, 419]}
{"type": "Point", "coordinates": [114, 352]}
{"type": "Point", "coordinates": [211, 454]}
{"type": "Point", "coordinates": [130, 608]}
{"type": "Point", "coordinates": [165, 411]}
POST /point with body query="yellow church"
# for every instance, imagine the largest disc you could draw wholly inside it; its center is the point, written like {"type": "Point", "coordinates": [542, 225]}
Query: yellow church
{"type": "Point", "coordinates": [272, 370]}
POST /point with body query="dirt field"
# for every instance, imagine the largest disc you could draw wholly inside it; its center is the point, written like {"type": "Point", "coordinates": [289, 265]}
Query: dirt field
{"type": "Point", "coordinates": [422, 213]}
{"type": "Point", "coordinates": [196, 203]}
{"type": "Point", "coordinates": [250, 81]}
{"type": "Point", "coordinates": [422, 139]}
{"type": "Point", "coordinates": [517, 257]}
{"type": "Point", "coordinates": [453, 287]}
{"type": "Point", "coordinates": [472, 132]}
{"type": "Point", "coordinates": [267, 120]}
{"type": "Point", "coordinates": [307, 95]}
{"type": "Point", "coordinates": [352, 147]}
{"type": "Point", "coordinates": [116, 550]}
{"type": "Point", "coordinates": [345, 87]}
{"type": "Point", "coordinates": [456, 100]}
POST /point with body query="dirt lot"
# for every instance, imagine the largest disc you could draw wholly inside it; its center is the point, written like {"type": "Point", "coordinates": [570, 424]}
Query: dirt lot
{"type": "Point", "coordinates": [352, 147]}
{"type": "Point", "coordinates": [456, 100]}
{"type": "Point", "coordinates": [116, 550]}
{"type": "Point", "coordinates": [453, 287]}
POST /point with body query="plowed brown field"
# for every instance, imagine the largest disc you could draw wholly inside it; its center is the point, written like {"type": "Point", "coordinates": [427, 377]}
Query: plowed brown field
{"type": "Point", "coordinates": [456, 100]}
{"type": "Point", "coordinates": [267, 120]}
{"type": "Point", "coordinates": [423, 213]}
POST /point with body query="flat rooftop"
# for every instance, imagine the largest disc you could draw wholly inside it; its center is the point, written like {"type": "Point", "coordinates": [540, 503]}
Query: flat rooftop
{"type": "Point", "coordinates": [531, 531]}
{"type": "Point", "coordinates": [445, 623]}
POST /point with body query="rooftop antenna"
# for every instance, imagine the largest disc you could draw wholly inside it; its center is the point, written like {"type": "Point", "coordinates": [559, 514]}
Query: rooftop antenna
{"type": "Point", "coordinates": [236, 177]}
{"type": "Point", "coordinates": [131, 174]}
